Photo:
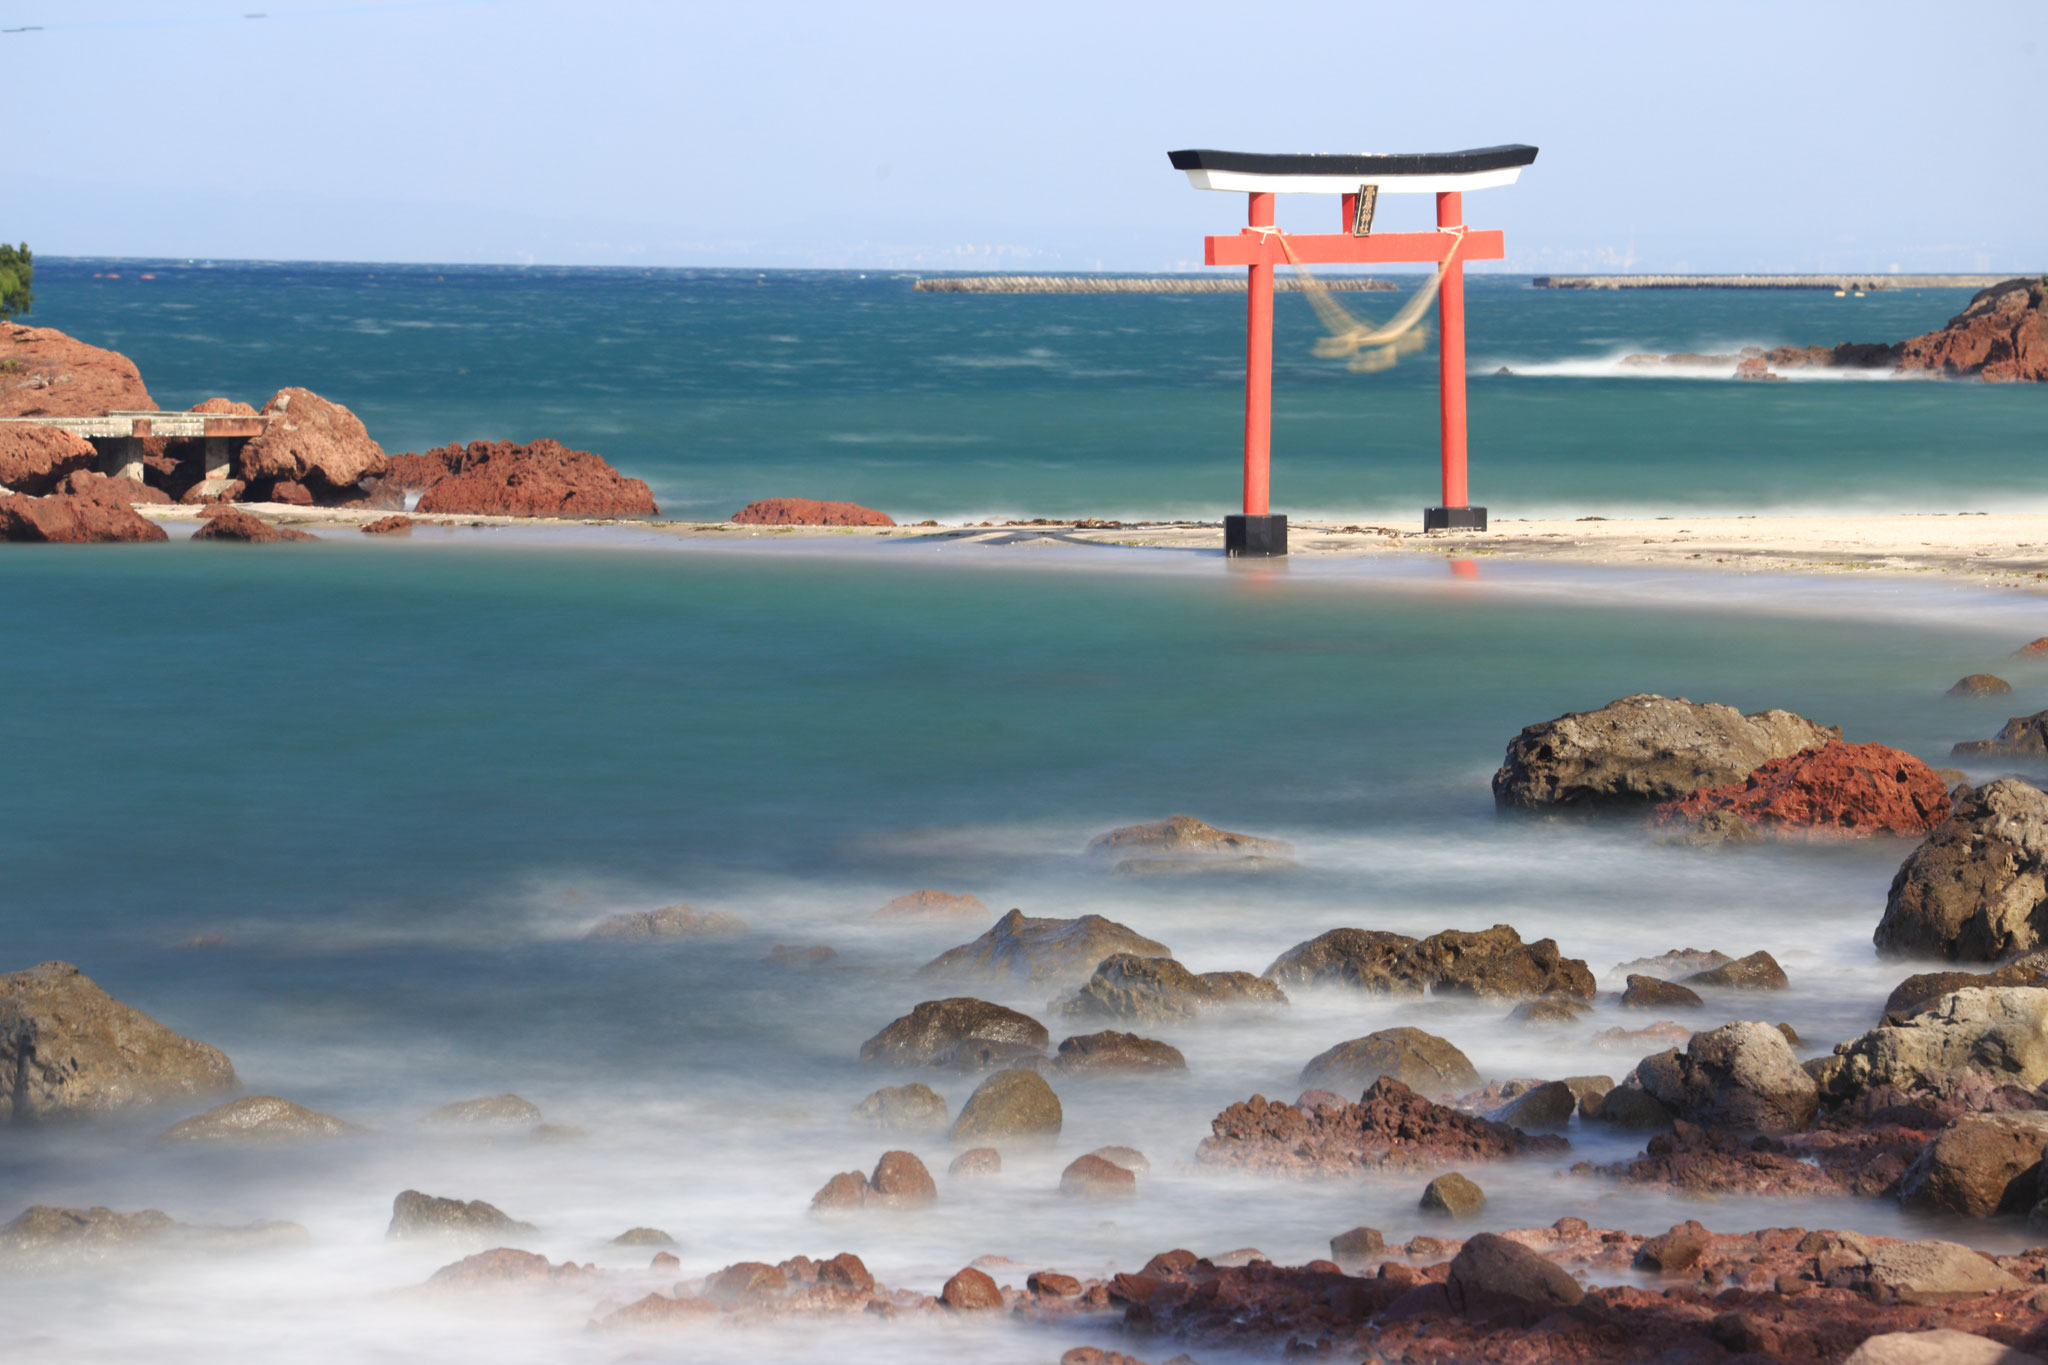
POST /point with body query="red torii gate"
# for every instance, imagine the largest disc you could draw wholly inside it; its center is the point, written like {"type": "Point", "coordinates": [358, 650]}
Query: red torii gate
{"type": "Point", "coordinates": [1445, 174]}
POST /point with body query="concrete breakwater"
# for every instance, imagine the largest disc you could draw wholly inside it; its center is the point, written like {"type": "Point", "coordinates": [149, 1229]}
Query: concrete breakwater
{"type": "Point", "coordinates": [1846, 283]}
{"type": "Point", "coordinates": [1130, 284]}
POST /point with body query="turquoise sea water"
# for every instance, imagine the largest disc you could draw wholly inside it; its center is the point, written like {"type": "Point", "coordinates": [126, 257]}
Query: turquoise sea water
{"type": "Point", "coordinates": [346, 810]}
{"type": "Point", "coordinates": [722, 387]}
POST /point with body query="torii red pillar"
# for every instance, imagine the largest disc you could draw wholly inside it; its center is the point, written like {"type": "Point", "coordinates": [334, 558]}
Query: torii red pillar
{"type": "Point", "coordinates": [1259, 248]}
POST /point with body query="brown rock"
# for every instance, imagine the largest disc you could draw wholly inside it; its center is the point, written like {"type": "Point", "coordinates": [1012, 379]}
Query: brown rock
{"type": "Point", "coordinates": [1010, 1104]}
{"type": "Point", "coordinates": [1980, 1165]}
{"type": "Point", "coordinates": [313, 442]}
{"type": "Point", "coordinates": [1489, 964]}
{"type": "Point", "coordinates": [1645, 749]}
{"type": "Point", "coordinates": [1549, 1011]}
{"type": "Point", "coordinates": [1496, 1277]}
{"type": "Point", "coordinates": [671, 922]}
{"type": "Point", "coordinates": [1674, 1252]}
{"type": "Point", "coordinates": [901, 1181]}
{"type": "Point", "coordinates": [1919, 992]}
{"type": "Point", "coordinates": [1838, 791]}
{"type": "Point", "coordinates": [69, 1048]}
{"type": "Point", "coordinates": [847, 1190]}
{"type": "Point", "coordinates": [1926, 1273]}
{"type": "Point", "coordinates": [1453, 1196]}
{"type": "Point", "coordinates": [34, 459]}
{"type": "Point", "coordinates": [1742, 1076]}
{"type": "Point", "coordinates": [424, 1215]}
{"type": "Point", "coordinates": [808, 512]}
{"type": "Point", "coordinates": [1021, 951]}
{"type": "Point", "coordinates": [847, 1272]}
{"type": "Point", "coordinates": [971, 1291]}
{"type": "Point", "coordinates": [1649, 993]}
{"type": "Point", "coordinates": [290, 494]}
{"type": "Point", "coordinates": [74, 519]}
{"type": "Point", "coordinates": [1757, 972]}
{"type": "Point", "coordinates": [233, 524]}
{"type": "Point", "coordinates": [960, 1033]}
{"type": "Point", "coordinates": [213, 491]}
{"type": "Point", "coordinates": [1546, 1108]}
{"type": "Point", "coordinates": [1423, 1062]}
{"type": "Point", "coordinates": [509, 1111]}
{"type": "Point", "coordinates": [224, 407]}
{"type": "Point", "coordinates": [933, 905]}
{"type": "Point", "coordinates": [1050, 1284]}
{"type": "Point", "coordinates": [502, 1266]}
{"type": "Point", "coordinates": [504, 479]}
{"type": "Point", "coordinates": [1974, 685]}
{"type": "Point", "coordinates": [1358, 1245]}
{"type": "Point", "coordinates": [1142, 989]}
{"type": "Point", "coordinates": [746, 1282]}
{"type": "Point", "coordinates": [1091, 1177]}
{"type": "Point", "coordinates": [1674, 965]}
{"type": "Point", "coordinates": [976, 1163]}
{"type": "Point", "coordinates": [396, 525]}
{"type": "Point", "coordinates": [45, 1237]}
{"type": "Point", "coordinates": [44, 373]}
{"type": "Point", "coordinates": [2022, 737]}
{"type": "Point", "coordinates": [111, 489]}
{"type": "Point", "coordinates": [1130, 1158]}
{"type": "Point", "coordinates": [1115, 1053]}
{"type": "Point", "coordinates": [1999, 337]}
{"type": "Point", "coordinates": [658, 1311]}
{"type": "Point", "coordinates": [644, 1237]}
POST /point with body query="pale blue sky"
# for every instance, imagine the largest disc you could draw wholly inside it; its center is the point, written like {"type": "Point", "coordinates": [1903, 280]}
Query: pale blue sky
{"type": "Point", "coordinates": [1722, 136]}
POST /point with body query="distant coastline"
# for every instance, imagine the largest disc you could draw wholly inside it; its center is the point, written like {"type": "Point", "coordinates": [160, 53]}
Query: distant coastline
{"type": "Point", "coordinates": [1847, 283]}
{"type": "Point", "coordinates": [1130, 284]}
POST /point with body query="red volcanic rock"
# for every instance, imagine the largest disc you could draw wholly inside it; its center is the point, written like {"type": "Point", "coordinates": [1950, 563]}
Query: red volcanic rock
{"type": "Point", "coordinates": [1390, 1128]}
{"type": "Point", "coordinates": [74, 518]}
{"type": "Point", "coordinates": [213, 490]}
{"type": "Point", "coordinates": [389, 526]}
{"type": "Point", "coordinates": [1700, 1161]}
{"type": "Point", "coordinates": [33, 459]}
{"type": "Point", "coordinates": [232, 523]}
{"type": "Point", "coordinates": [1841, 790]}
{"type": "Point", "coordinates": [933, 905]}
{"type": "Point", "coordinates": [311, 441]}
{"type": "Point", "coordinates": [971, 1291]}
{"type": "Point", "coordinates": [746, 1280]}
{"type": "Point", "coordinates": [108, 489]}
{"type": "Point", "coordinates": [1998, 337]}
{"type": "Point", "coordinates": [291, 494]}
{"type": "Point", "coordinates": [808, 512]}
{"type": "Point", "coordinates": [901, 1181]}
{"type": "Point", "coordinates": [657, 1311]}
{"type": "Point", "coordinates": [846, 1271]}
{"type": "Point", "coordinates": [501, 479]}
{"type": "Point", "coordinates": [227, 407]}
{"type": "Point", "coordinates": [44, 373]}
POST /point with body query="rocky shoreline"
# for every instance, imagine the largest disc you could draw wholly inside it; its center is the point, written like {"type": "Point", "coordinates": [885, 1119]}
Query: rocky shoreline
{"type": "Point", "coordinates": [1940, 1108]}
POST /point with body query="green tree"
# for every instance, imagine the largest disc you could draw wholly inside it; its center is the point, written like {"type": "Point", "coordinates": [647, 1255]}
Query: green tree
{"type": "Point", "coordinates": [17, 273]}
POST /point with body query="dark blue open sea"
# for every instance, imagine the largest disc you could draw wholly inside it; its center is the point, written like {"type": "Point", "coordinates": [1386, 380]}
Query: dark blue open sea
{"type": "Point", "coordinates": [346, 810]}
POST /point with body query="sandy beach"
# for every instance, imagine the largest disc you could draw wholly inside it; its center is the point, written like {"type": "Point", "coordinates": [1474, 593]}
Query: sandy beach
{"type": "Point", "coordinates": [2009, 550]}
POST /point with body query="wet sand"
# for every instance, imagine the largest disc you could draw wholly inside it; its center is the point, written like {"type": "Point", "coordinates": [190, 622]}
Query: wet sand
{"type": "Point", "coordinates": [2001, 549]}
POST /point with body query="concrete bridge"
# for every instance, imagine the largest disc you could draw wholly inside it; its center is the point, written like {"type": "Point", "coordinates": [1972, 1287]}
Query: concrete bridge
{"type": "Point", "coordinates": [118, 436]}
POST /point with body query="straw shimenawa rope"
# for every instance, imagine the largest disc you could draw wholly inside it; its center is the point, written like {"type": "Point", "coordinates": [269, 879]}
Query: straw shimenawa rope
{"type": "Point", "coordinates": [1371, 347]}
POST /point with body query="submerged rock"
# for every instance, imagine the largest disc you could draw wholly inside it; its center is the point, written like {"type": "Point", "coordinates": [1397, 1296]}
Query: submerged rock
{"type": "Point", "coordinates": [1977, 890]}
{"type": "Point", "coordinates": [1651, 993]}
{"type": "Point", "coordinates": [259, 1118]}
{"type": "Point", "coordinates": [960, 1033]}
{"type": "Point", "coordinates": [1980, 685]}
{"type": "Point", "coordinates": [1674, 965]}
{"type": "Point", "coordinates": [424, 1215]}
{"type": "Point", "coordinates": [232, 524]}
{"type": "Point", "coordinates": [1489, 964]}
{"type": "Point", "coordinates": [1010, 1104]}
{"type": "Point", "coordinates": [1839, 791]}
{"type": "Point", "coordinates": [1357, 1245]}
{"type": "Point", "coordinates": [1423, 1062]}
{"type": "Point", "coordinates": [1157, 989]}
{"type": "Point", "coordinates": [902, 1109]}
{"type": "Point", "coordinates": [398, 524]}
{"type": "Point", "coordinates": [1110, 1052]}
{"type": "Point", "coordinates": [971, 1291]}
{"type": "Point", "coordinates": [1093, 1177]}
{"type": "Point", "coordinates": [643, 1237]}
{"type": "Point", "coordinates": [1390, 1128]}
{"type": "Point", "coordinates": [1645, 749]}
{"type": "Point", "coordinates": [494, 1110]}
{"type": "Point", "coordinates": [976, 1163]}
{"type": "Point", "coordinates": [67, 1048]}
{"type": "Point", "coordinates": [1742, 1076]}
{"type": "Point", "coordinates": [900, 1181]}
{"type": "Point", "coordinates": [933, 905]}
{"type": "Point", "coordinates": [1453, 1196]}
{"type": "Point", "coordinates": [43, 1236]}
{"type": "Point", "coordinates": [1020, 951]}
{"type": "Point", "coordinates": [1183, 837]}
{"type": "Point", "coordinates": [670, 922]}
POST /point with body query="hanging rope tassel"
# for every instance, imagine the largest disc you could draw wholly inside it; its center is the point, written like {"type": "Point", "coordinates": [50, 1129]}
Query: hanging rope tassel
{"type": "Point", "coordinates": [1370, 346]}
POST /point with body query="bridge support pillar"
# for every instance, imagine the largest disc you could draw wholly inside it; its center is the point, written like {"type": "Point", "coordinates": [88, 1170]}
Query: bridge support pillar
{"type": "Point", "coordinates": [121, 457]}
{"type": "Point", "coordinates": [219, 458]}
